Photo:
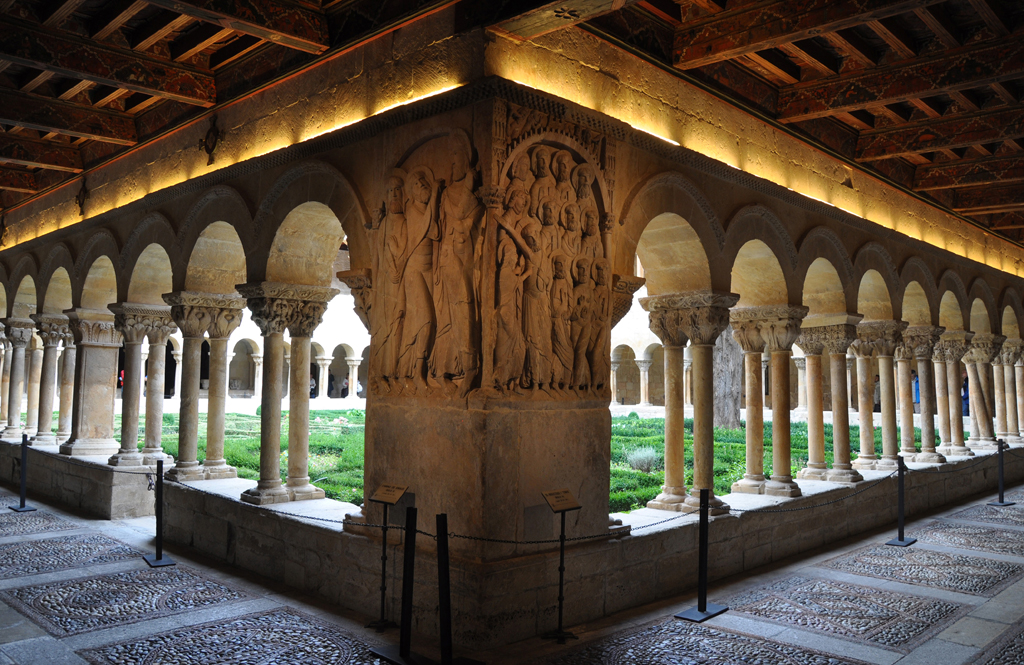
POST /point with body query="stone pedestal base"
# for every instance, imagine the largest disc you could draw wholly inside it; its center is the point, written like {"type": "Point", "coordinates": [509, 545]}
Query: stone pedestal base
{"type": "Point", "coordinates": [150, 457]}
{"type": "Point", "coordinates": [265, 497]}
{"type": "Point", "coordinates": [43, 440]}
{"type": "Point", "coordinates": [929, 458]}
{"type": "Point", "coordinates": [888, 463]}
{"type": "Point", "coordinates": [11, 434]}
{"type": "Point", "coordinates": [218, 471]}
{"type": "Point", "coordinates": [749, 484]}
{"type": "Point", "coordinates": [864, 463]}
{"type": "Point", "coordinates": [126, 459]}
{"type": "Point", "coordinates": [815, 472]}
{"type": "Point", "coordinates": [105, 447]}
{"type": "Point", "coordinates": [670, 498]}
{"type": "Point", "coordinates": [951, 450]}
{"type": "Point", "coordinates": [1014, 440]}
{"type": "Point", "coordinates": [986, 443]}
{"type": "Point", "coordinates": [715, 506]}
{"type": "Point", "coordinates": [781, 487]}
{"type": "Point", "coordinates": [848, 476]}
{"type": "Point", "coordinates": [183, 474]}
{"type": "Point", "coordinates": [305, 493]}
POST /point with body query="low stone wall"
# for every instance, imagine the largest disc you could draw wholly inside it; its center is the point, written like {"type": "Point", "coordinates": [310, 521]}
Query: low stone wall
{"type": "Point", "coordinates": [87, 485]}
{"type": "Point", "coordinates": [501, 601]}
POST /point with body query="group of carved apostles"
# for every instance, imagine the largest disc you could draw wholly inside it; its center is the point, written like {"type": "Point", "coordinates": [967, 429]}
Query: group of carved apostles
{"type": "Point", "coordinates": [551, 286]}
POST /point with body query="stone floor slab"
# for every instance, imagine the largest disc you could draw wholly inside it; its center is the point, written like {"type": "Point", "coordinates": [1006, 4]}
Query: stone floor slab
{"type": "Point", "coordinates": [940, 652]}
{"type": "Point", "coordinates": [102, 601]}
{"type": "Point", "coordinates": [281, 637]}
{"type": "Point", "coordinates": [971, 537]}
{"type": "Point", "coordinates": [34, 557]}
{"type": "Point", "coordinates": [876, 616]}
{"type": "Point", "coordinates": [955, 572]}
{"type": "Point", "coordinates": [1011, 515]}
{"type": "Point", "coordinates": [41, 651]}
{"type": "Point", "coordinates": [973, 632]}
{"type": "Point", "coordinates": [1007, 649]}
{"type": "Point", "coordinates": [19, 524]}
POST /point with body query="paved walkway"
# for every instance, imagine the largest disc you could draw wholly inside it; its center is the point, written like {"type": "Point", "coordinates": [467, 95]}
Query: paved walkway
{"type": "Point", "coordinates": [75, 590]}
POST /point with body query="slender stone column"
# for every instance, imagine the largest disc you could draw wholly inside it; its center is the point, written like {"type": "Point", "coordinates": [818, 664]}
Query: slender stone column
{"type": "Point", "coordinates": [837, 339]}
{"type": "Point", "coordinates": [131, 323]}
{"type": "Point", "coordinates": [905, 392]}
{"type": "Point", "coordinates": [779, 333]}
{"type": "Point", "coordinates": [5, 373]}
{"type": "Point", "coordinates": [942, 407]}
{"type": "Point", "coordinates": [687, 377]}
{"type": "Point", "coordinates": [884, 336]}
{"type": "Point", "coordinates": [176, 355]}
{"type": "Point", "coordinates": [97, 342]}
{"type": "Point", "coordinates": [271, 314]}
{"type": "Point", "coordinates": [1009, 356]}
{"type": "Point", "coordinates": [852, 390]}
{"type": "Point", "coordinates": [324, 365]}
{"type": "Point", "coordinates": [613, 382]}
{"type": "Point", "coordinates": [353, 376]}
{"type": "Point", "coordinates": [812, 346]}
{"type": "Point", "coordinates": [161, 329]}
{"type": "Point", "coordinates": [645, 381]}
{"type": "Point", "coordinates": [193, 313]}
{"type": "Point", "coordinates": [984, 348]}
{"type": "Point", "coordinates": [223, 320]}
{"type": "Point", "coordinates": [748, 336]}
{"type": "Point", "coordinates": [801, 381]}
{"type": "Point", "coordinates": [19, 334]}
{"type": "Point", "coordinates": [699, 317]}
{"type": "Point", "coordinates": [306, 316]}
{"type": "Point", "coordinates": [35, 372]}
{"type": "Point", "coordinates": [922, 341]}
{"type": "Point", "coordinates": [863, 349]}
{"type": "Point", "coordinates": [999, 390]}
{"type": "Point", "coordinates": [52, 328]}
{"type": "Point", "coordinates": [1018, 371]}
{"type": "Point", "coordinates": [955, 343]}
{"type": "Point", "coordinates": [257, 376]}
{"type": "Point", "coordinates": [67, 387]}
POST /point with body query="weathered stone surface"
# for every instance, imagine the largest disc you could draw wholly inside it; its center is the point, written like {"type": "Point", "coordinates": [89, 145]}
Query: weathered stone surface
{"type": "Point", "coordinates": [728, 363]}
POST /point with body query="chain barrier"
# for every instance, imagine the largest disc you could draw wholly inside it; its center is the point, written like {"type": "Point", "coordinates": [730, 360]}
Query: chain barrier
{"type": "Point", "coordinates": [956, 469]}
{"type": "Point", "coordinates": [817, 505]}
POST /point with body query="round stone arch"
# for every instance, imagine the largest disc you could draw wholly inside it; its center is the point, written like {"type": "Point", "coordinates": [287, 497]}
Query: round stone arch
{"type": "Point", "coordinates": [822, 243]}
{"type": "Point", "coordinates": [150, 277]}
{"type": "Point", "coordinates": [26, 299]}
{"type": "Point", "coordinates": [674, 201]}
{"type": "Point", "coordinates": [916, 271]}
{"type": "Point", "coordinates": [98, 287]}
{"type": "Point", "coordinates": [879, 291]}
{"type": "Point", "coordinates": [26, 267]}
{"type": "Point", "coordinates": [953, 313]}
{"type": "Point", "coordinates": [310, 186]}
{"type": "Point", "coordinates": [57, 292]}
{"type": "Point", "coordinates": [58, 258]}
{"type": "Point", "coordinates": [750, 226]}
{"type": "Point", "coordinates": [824, 293]}
{"type": "Point", "coordinates": [218, 204]}
{"type": "Point", "coordinates": [983, 307]}
{"type": "Point", "coordinates": [1012, 313]}
{"type": "Point", "coordinates": [758, 277]}
{"type": "Point", "coordinates": [151, 229]}
{"type": "Point", "coordinates": [100, 244]}
{"type": "Point", "coordinates": [216, 262]}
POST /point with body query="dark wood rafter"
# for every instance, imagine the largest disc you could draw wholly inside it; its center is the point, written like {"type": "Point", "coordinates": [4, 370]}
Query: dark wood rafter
{"type": "Point", "coordinates": [18, 181]}
{"type": "Point", "coordinates": [987, 171]}
{"type": "Point", "coordinates": [68, 55]}
{"type": "Point", "coordinates": [63, 10]}
{"type": "Point", "coordinates": [852, 44]}
{"type": "Point", "coordinates": [39, 154]}
{"type": "Point", "coordinates": [48, 115]}
{"type": "Point", "coordinates": [1009, 221]}
{"type": "Point", "coordinates": [196, 40]}
{"type": "Point", "coordinates": [993, 16]}
{"type": "Point", "coordinates": [157, 28]}
{"type": "Point", "coordinates": [814, 55]}
{"type": "Point", "coordinates": [929, 135]}
{"type": "Point", "coordinates": [279, 22]}
{"type": "Point", "coordinates": [233, 51]}
{"type": "Point", "coordinates": [116, 15]}
{"type": "Point", "coordinates": [895, 36]}
{"type": "Point", "coordinates": [937, 19]}
{"type": "Point", "coordinates": [962, 69]}
{"type": "Point", "coordinates": [761, 26]}
{"type": "Point", "coordinates": [989, 200]}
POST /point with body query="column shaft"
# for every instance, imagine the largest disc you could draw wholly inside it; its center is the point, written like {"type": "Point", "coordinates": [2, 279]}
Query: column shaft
{"type": "Point", "coordinates": [956, 417]}
{"type": "Point", "coordinates": [268, 489]}
{"type": "Point", "coordinates": [353, 378]}
{"type": "Point", "coordinates": [673, 493]}
{"type": "Point", "coordinates": [842, 470]}
{"type": "Point", "coordinates": [5, 382]}
{"type": "Point", "coordinates": [35, 368]}
{"type": "Point", "coordinates": [131, 395]}
{"type": "Point", "coordinates": [187, 465]}
{"type": "Point", "coordinates": [15, 390]}
{"type": "Point", "coordinates": [645, 382]}
{"type": "Point", "coordinates": [157, 375]}
{"type": "Point", "coordinates": [97, 341]}
{"type": "Point", "coordinates": [299, 487]}
{"type": "Point", "coordinates": [999, 394]}
{"type": "Point", "coordinates": [865, 402]}
{"type": "Point", "coordinates": [47, 379]}
{"type": "Point", "coordinates": [67, 390]}
{"type": "Point", "coordinates": [816, 468]}
{"type": "Point", "coordinates": [928, 408]}
{"type": "Point", "coordinates": [906, 395]}
{"type": "Point", "coordinates": [753, 480]}
{"type": "Point", "coordinates": [613, 382]}
{"type": "Point", "coordinates": [942, 407]}
{"type": "Point", "coordinates": [1010, 397]}
{"type": "Point", "coordinates": [781, 482]}
{"type": "Point", "coordinates": [215, 466]}
{"type": "Point", "coordinates": [703, 421]}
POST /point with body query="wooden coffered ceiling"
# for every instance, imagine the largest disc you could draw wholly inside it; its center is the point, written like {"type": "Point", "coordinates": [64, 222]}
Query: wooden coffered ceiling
{"type": "Point", "coordinates": [927, 93]}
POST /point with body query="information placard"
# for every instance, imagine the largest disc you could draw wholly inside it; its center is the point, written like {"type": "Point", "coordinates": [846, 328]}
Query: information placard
{"type": "Point", "coordinates": [389, 494]}
{"type": "Point", "coordinates": [561, 501]}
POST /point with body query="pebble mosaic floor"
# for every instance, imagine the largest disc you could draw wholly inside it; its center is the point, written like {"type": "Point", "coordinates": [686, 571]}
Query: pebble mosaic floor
{"type": "Point", "coordinates": [955, 598]}
{"type": "Point", "coordinates": [1011, 515]}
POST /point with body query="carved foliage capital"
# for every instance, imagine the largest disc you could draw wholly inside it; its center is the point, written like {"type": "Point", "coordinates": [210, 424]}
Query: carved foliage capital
{"type": "Point", "coordinates": [984, 348]}
{"type": "Point", "coordinates": [668, 324]}
{"type": "Point", "coordinates": [702, 316]}
{"type": "Point", "coordinates": [921, 340]}
{"type": "Point", "coordinates": [1011, 352]}
{"type": "Point", "coordinates": [306, 316]}
{"type": "Point", "coordinates": [297, 307]}
{"type": "Point", "coordinates": [136, 322]}
{"type": "Point", "coordinates": [833, 338]}
{"type": "Point", "coordinates": [878, 336]}
{"type": "Point", "coordinates": [748, 335]}
{"type": "Point", "coordinates": [52, 328]}
{"type": "Point", "coordinates": [643, 364]}
{"type": "Point", "coordinates": [904, 351]}
{"type": "Point", "coordinates": [93, 332]}
{"type": "Point", "coordinates": [801, 363]}
{"type": "Point", "coordinates": [223, 321]}
{"type": "Point", "coordinates": [19, 332]}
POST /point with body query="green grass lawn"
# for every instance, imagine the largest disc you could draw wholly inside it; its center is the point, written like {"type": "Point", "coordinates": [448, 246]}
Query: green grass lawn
{"type": "Point", "coordinates": [336, 452]}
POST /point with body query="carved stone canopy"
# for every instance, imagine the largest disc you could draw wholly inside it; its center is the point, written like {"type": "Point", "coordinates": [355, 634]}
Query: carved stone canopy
{"type": "Point", "coordinates": [19, 331]}
{"type": "Point", "coordinates": [52, 328]}
{"type": "Point", "coordinates": [700, 316]}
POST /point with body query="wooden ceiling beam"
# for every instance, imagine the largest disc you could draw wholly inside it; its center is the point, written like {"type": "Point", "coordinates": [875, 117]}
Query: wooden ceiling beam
{"type": "Point", "coordinates": [276, 21]}
{"type": "Point", "coordinates": [937, 19]}
{"type": "Point", "coordinates": [39, 154]}
{"type": "Point", "coordinates": [66, 54]}
{"type": "Point", "coordinates": [233, 51]}
{"type": "Point", "coordinates": [989, 200]}
{"type": "Point", "coordinates": [929, 135]}
{"type": "Point", "coordinates": [1004, 93]}
{"type": "Point", "coordinates": [814, 55]}
{"type": "Point", "coordinates": [36, 81]}
{"type": "Point", "coordinates": [969, 67]}
{"type": "Point", "coordinates": [111, 20]}
{"type": "Point", "coordinates": [50, 115]}
{"type": "Point", "coordinates": [157, 28]}
{"type": "Point", "coordinates": [60, 13]}
{"type": "Point", "coordinates": [854, 46]}
{"type": "Point", "coordinates": [927, 106]}
{"type": "Point", "coordinates": [895, 36]}
{"type": "Point", "coordinates": [993, 15]}
{"type": "Point", "coordinates": [761, 26]}
{"type": "Point", "coordinates": [777, 64]}
{"type": "Point", "coordinates": [970, 173]}
{"type": "Point", "coordinates": [18, 181]}
{"type": "Point", "coordinates": [197, 39]}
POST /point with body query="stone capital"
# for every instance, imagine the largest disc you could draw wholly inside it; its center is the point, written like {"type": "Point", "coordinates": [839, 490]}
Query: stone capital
{"type": "Point", "coordinates": [224, 320]}
{"type": "Point", "coordinates": [136, 321]}
{"type": "Point", "coordinates": [921, 340]}
{"type": "Point", "coordinates": [954, 345]}
{"type": "Point", "coordinates": [984, 348]}
{"type": "Point", "coordinates": [52, 328]}
{"type": "Point", "coordinates": [256, 360]}
{"type": "Point", "coordinates": [644, 365]}
{"type": "Point", "coordinates": [834, 338]}
{"type": "Point", "coordinates": [19, 331]}
{"type": "Point", "coordinates": [881, 337]}
{"type": "Point", "coordinates": [700, 316]}
{"type": "Point", "coordinates": [748, 335]}
{"type": "Point", "coordinates": [360, 284]}
{"type": "Point", "coordinates": [297, 307]}
{"type": "Point", "coordinates": [904, 352]}
{"type": "Point", "coordinates": [93, 327]}
{"type": "Point", "coordinates": [1011, 352]}
{"type": "Point", "coordinates": [306, 316]}
{"type": "Point", "coordinates": [801, 362]}
{"type": "Point", "coordinates": [779, 324]}
{"type": "Point", "coordinates": [623, 288]}
{"type": "Point", "coordinates": [194, 312]}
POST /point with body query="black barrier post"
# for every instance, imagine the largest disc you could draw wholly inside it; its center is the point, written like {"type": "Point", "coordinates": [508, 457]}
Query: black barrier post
{"type": "Point", "coordinates": [158, 560]}
{"type": "Point", "coordinates": [21, 507]}
{"type": "Point", "coordinates": [704, 609]}
{"type": "Point", "coordinates": [444, 589]}
{"type": "Point", "coordinates": [404, 655]}
{"type": "Point", "coordinates": [1001, 501]}
{"type": "Point", "coordinates": [382, 624]}
{"type": "Point", "coordinates": [560, 634]}
{"type": "Point", "coordinates": [900, 541]}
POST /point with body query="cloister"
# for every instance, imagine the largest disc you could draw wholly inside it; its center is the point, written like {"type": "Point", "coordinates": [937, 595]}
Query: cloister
{"type": "Point", "coordinates": [485, 233]}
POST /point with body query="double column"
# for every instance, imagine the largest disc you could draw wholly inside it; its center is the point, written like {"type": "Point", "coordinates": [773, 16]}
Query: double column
{"type": "Point", "coordinates": [779, 332]}
{"type": "Point", "coordinates": [700, 318]}
{"type": "Point", "coordinates": [353, 377]}
{"type": "Point", "coordinates": [1006, 391]}
{"type": "Point", "coordinates": [224, 319]}
{"type": "Point", "coordinates": [919, 342]}
{"type": "Point", "coordinates": [97, 341]}
{"type": "Point", "coordinates": [19, 334]}
{"type": "Point", "coordinates": [53, 329]}
{"type": "Point", "coordinates": [837, 339]}
{"type": "Point", "coordinates": [984, 349]}
{"type": "Point", "coordinates": [879, 338]}
{"type": "Point", "coordinates": [747, 334]}
{"type": "Point", "coordinates": [953, 345]}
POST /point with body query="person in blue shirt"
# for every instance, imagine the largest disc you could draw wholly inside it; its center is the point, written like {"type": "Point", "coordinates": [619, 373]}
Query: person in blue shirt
{"type": "Point", "coordinates": [965, 393]}
{"type": "Point", "coordinates": [917, 390]}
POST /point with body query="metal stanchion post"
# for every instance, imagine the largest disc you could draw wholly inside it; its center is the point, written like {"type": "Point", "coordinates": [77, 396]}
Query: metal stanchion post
{"type": "Point", "coordinates": [704, 609]}
{"type": "Point", "coordinates": [21, 507]}
{"type": "Point", "coordinates": [382, 624]}
{"type": "Point", "coordinates": [560, 634]}
{"type": "Point", "coordinates": [444, 589]}
{"type": "Point", "coordinates": [900, 541]}
{"type": "Point", "coordinates": [404, 655]}
{"type": "Point", "coordinates": [159, 560]}
{"type": "Point", "coordinates": [1001, 502]}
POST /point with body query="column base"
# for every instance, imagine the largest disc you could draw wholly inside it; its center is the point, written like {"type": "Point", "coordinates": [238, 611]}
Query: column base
{"type": "Point", "coordinates": [31, 431]}
{"type": "Point", "coordinates": [12, 433]}
{"type": "Point", "coordinates": [847, 476]}
{"type": "Point", "coordinates": [715, 505]}
{"type": "Point", "coordinates": [815, 472]}
{"type": "Point", "coordinates": [781, 486]}
{"type": "Point", "coordinates": [929, 457]}
{"type": "Point", "coordinates": [151, 456]}
{"type": "Point", "coordinates": [43, 440]}
{"type": "Point", "coordinates": [264, 496]}
{"type": "Point", "coordinates": [865, 463]}
{"type": "Point", "coordinates": [1014, 440]}
{"type": "Point", "coordinates": [184, 474]}
{"type": "Point", "coordinates": [749, 484]}
{"type": "Point", "coordinates": [645, 404]}
{"type": "Point", "coordinates": [305, 493]}
{"type": "Point", "coordinates": [218, 471]}
{"type": "Point", "coordinates": [671, 498]}
{"type": "Point", "coordinates": [105, 447]}
{"type": "Point", "coordinates": [126, 459]}
{"type": "Point", "coordinates": [887, 463]}
{"type": "Point", "coordinates": [983, 443]}
{"type": "Point", "coordinates": [954, 450]}
{"type": "Point", "coordinates": [62, 436]}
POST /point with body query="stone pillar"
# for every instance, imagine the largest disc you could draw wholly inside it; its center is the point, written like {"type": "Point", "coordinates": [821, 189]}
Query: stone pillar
{"type": "Point", "coordinates": [748, 336]}
{"type": "Point", "coordinates": [922, 342]}
{"type": "Point", "coordinates": [353, 376]}
{"type": "Point", "coordinates": [176, 355]}
{"type": "Point", "coordinates": [837, 339]}
{"type": "Point", "coordinates": [19, 333]}
{"type": "Point", "coordinates": [801, 381]}
{"type": "Point", "coordinates": [271, 315]}
{"type": "Point", "coordinates": [306, 316]}
{"type": "Point", "coordinates": [257, 376]}
{"type": "Point", "coordinates": [1009, 356]}
{"type": "Point", "coordinates": [223, 320]}
{"type": "Point", "coordinates": [35, 372]}
{"type": "Point", "coordinates": [97, 342]}
{"type": "Point", "coordinates": [323, 363]}
{"type": "Point", "coordinates": [67, 387]}
{"type": "Point", "coordinates": [863, 350]}
{"type": "Point", "coordinates": [812, 347]}
{"type": "Point", "coordinates": [852, 387]}
{"type": "Point", "coordinates": [687, 377]}
{"type": "Point", "coordinates": [884, 336]}
{"type": "Point", "coordinates": [941, 392]}
{"type": "Point", "coordinates": [5, 381]}
{"type": "Point", "coordinates": [905, 393]}
{"type": "Point", "coordinates": [160, 330]}
{"type": "Point", "coordinates": [1018, 371]}
{"type": "Point", "coordinates": [645, 381]}
{"type": "Point", "coordinates": [999, 390]}
{"type": "Point", "coordinates": [984, 348]}
{"type": "Point", "coordinates": [613, 382]}
{"type": "Point", "coordinates": [955, 344]}
{"type": "Point", "coordinates": [53, 328]}
{"type": "Point", "coordinates": [779, 333]}
{"type": "Point", "coordinates": [700, 318]}
{"type": "Point", "coordinates": [130, 320]}
{"type": "Point", "coordinates": [192, 314]}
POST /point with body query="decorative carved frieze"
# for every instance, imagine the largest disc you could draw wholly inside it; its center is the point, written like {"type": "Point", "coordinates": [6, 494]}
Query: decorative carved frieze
{"type": "Point", "coordinates": [51, 328]}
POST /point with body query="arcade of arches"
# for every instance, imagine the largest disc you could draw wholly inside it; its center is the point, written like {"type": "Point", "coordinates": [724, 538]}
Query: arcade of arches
{"type": "Point", "coordinates": [486, 242]}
